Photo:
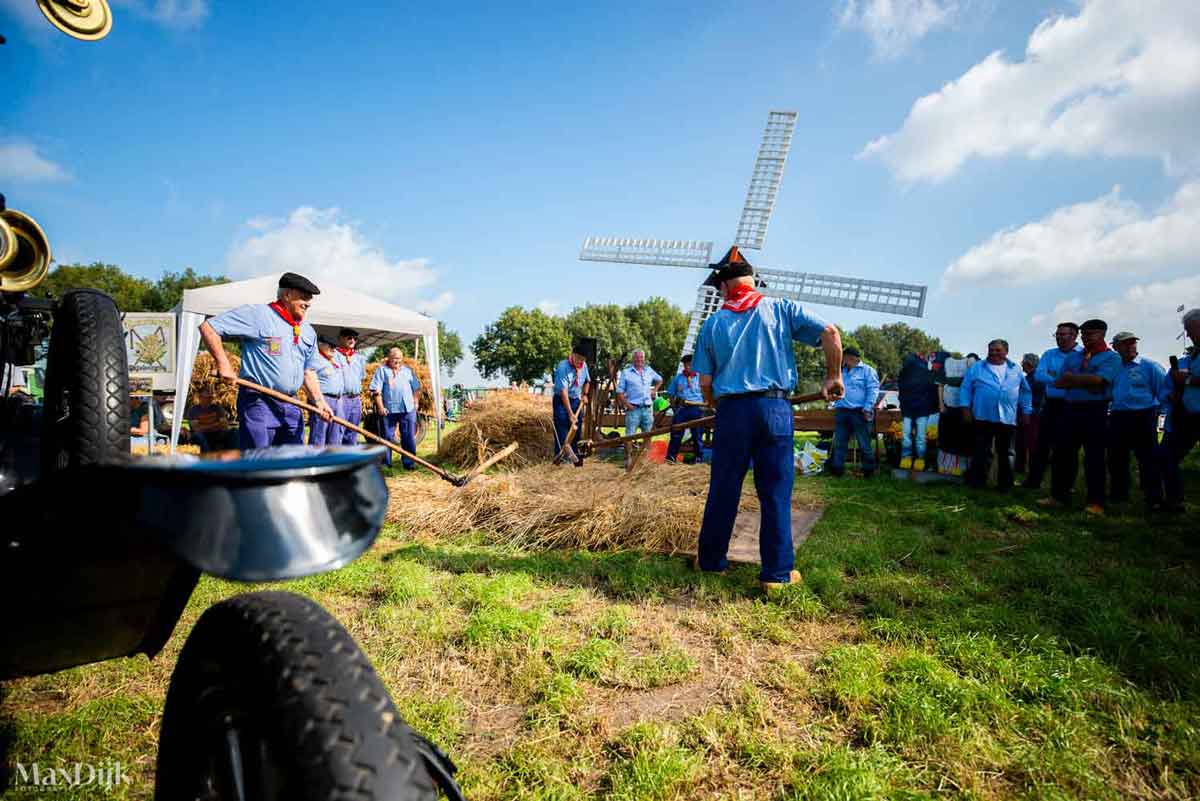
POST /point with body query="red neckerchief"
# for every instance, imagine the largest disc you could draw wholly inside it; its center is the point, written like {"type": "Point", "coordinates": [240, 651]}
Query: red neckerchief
{"type": "Point", "coordinates": [336, 366]}
{"type": "Point", "coordinates": [287, 318]}
{"type": "Point", "coordinates": [687, 374]}
{"type": "Point", "coordinates": [578, 368]}
{"type": "Point", "coordinates": [1088, 353]}
{"type": "Point", "coordinates": [347, 352]}
{"type": "Point", "coordinates": [741, 298]}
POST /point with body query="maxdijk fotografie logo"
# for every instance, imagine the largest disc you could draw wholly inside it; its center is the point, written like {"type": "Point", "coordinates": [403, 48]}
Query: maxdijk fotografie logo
{"type": "Point", "coordinates": [34, 777]}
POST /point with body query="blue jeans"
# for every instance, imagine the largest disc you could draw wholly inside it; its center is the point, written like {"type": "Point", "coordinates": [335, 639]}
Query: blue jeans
{"type": "Point", "coordinates": [911, 426]}
{"type": "Point", "coordinates": [685, 414]}
{"type": "Point", "coordinates": [562, 424]}
{"type": "Point", "coordinates": [407, 421]}
{"type": "Point", "coordinates": [322, 433]}
{"type": "Point", "coordinates": [758, 428]}
{"type": "Point", "coordinates": [639, 418]}
{"type": "Point", "coordinates": [849, 422]}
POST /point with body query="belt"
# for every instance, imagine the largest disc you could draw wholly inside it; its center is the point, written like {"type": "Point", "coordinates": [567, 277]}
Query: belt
{"type": "Point", "coordinates": [641, 406]}
{"type": "Point", "coordinates": [762, 393]}
{"type": "Point", "coordinates": [349, 395]}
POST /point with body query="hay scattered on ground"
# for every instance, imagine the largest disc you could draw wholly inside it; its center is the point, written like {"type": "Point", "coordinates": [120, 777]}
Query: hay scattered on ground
{"type": "Point", "coordinates": [140, 450]}
{"type": "Point", "coordinates": [597, 507]}
{"type": "Point", "coordinates": [494, 421]}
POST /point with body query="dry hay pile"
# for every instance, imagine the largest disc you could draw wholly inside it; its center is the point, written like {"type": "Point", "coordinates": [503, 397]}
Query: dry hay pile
{"type": "Point", "coordinates": [140, 450]}
{"type": "Point", "coordinates": [497, 419]}
{"type": "Point", "coordinates": [599, 507]}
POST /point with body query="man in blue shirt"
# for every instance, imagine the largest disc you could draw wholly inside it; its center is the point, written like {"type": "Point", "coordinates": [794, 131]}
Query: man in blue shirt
{"type": "Point", "coordinates": [571, 384]}
{"type": "Point", "coordinates": [331, 375]}
{"type": "Point", "coordinates": [1052, 414]}
{"type": "Point", "coordinates": [279, 351]}
{"type": "Point", "coordinates": [747, 369]}
{"type": "Point", "coordinates": [1183, 417]}
{"type": "Point", "coordinates": [689, 405]}
{"type": "Point", "coordinates": [854, 414]}
{"type": "Point", "coordinates": [1087, 376]}
{"type": "Point", "coordinates": [636, 388]}
{"type": "Point", "coordinates": [355, 373]}
{"type": "Point", "coordinates": [994, 394]}
{"type": "Point", "coordinates": [1139, 392]}
{"type": "Point", "coordinates": [394, 389]}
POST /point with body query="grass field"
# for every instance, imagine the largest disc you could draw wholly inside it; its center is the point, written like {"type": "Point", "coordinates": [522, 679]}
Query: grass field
{"type": "Point", "coordinates": [944, 643]}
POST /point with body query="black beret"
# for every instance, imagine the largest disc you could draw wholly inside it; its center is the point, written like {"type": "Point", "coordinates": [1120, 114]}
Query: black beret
{"type": "Point", "coordinates": [298, 282]}
{"type": "Point", "coordinates": [1093, 325]}
{"type": "Point", "coordinates": [851, 351]}
{"type": "Point", "coordinates": [687, 357]}
{"type": "Point", "coordinates": [733, 265]}
{"type": "Point", "coordinates": [348, 332]}
{"type": "Point", "coordinates": [324, 340]}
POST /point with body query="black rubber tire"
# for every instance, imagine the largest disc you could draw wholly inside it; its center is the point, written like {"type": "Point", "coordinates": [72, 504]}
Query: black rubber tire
{"type": "Point", "coordinates": [86, 416]}
{"type": "Point", "coordinates": [297, 689]}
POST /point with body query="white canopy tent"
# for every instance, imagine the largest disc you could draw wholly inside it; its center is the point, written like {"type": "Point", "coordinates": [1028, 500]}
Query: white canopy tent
{"type": "Point", "coordinates": [377, 323]}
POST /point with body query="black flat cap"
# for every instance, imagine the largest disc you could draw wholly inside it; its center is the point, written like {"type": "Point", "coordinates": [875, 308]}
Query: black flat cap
{"type": "Point", "coordinates": [1093, 325]}
{"type": "Point", "coordinates": [687, 357]}
{"type": "Point", "coordinates": [851, 351]}
{"type": "Point", "coordinates": [324, 340]}
{"type": "Point", "coordinates": [348, 332]}
{"type": "Point", "coordinates": [733, 265]}
{"type": "Point", "coordinates": [298, 282]}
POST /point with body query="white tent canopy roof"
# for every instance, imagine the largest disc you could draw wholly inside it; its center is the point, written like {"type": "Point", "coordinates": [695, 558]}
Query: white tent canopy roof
{"type": "Point", "coordinates": [376, 321]}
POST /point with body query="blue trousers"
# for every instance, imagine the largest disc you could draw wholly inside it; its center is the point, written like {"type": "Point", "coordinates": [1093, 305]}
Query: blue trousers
{"type": "Point", "coordinates": [263, 421]}
{"type": "Point", "coordinates": [407, 423]}
{"type": "Point", "coordinates": [685, 414]}
{"type": "Point", "coordinates": [562, 423]}
{"type": "Point", "coordinates": [912, 435]}
{"type": "Point", "coordinates": [322, 433]}
{"type": "Point", "coordinates": [352, 413]}
{"type": "Point", "coordinates": [746, 428]}
{"type": "Point", "coordinates": [848, 422]}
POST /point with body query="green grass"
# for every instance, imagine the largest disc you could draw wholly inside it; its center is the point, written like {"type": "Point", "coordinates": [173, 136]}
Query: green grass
{"type": "Point", "coordinates": [944, 643]}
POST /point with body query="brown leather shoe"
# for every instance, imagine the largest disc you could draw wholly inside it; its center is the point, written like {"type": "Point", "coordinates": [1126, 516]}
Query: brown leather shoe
{"type": "Point", "coordinates": [774, 586]}
{"type": "Point", "coordinates": [698, 569]}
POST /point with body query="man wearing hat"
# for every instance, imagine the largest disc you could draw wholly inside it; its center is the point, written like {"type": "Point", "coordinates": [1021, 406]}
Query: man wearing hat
{"type": "Point", "coordinates": [1139, 392]}
{"type": "Point", "coordinates": [747, 370]}
{"type": "Point", "coordinates": [571, 383]}
{"type": "Point", "coordinates": [352, 380]}
{"type": "Point", "coordinates": [1087, 376]}
{"type": "Point", "coordinates": [1182, 429]}
{"type": "Point", "coordinates": [688, 401]}
{"type": "Point", "coordinates": [854, 413]}
{"type": "Point", "coordinates": [331, 376]}
{"type": "Point", "coordinates": [279, 351]}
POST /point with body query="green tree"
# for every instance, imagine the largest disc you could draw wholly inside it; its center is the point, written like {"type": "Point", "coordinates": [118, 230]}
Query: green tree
{"type": "Point", "coordinates": [523, 344]}
{"type": "Point", "coordinates": [810, 363]}
{"type": "Point", "coordinates": [885, 346]}
{"type": "Point", "coordinates": [167, 291]}
{"type": "Point", "coordinates": [663, 327]}
{"type": "Point", "coordinates": [128, 291]}
{"type": "Point", "coordinates": [616, 336]}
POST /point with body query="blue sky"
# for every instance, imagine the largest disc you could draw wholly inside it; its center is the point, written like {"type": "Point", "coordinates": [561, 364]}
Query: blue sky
{"type": "Point", "coordinates": [1027, 161]}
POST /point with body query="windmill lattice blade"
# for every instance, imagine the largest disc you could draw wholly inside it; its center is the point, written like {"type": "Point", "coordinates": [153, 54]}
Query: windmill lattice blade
{"type": "Point", "coordinates": [671, 252]}
{"type": "Point", "coordinates": [765, 180]}
{"type": "Point", "coordinates": [708, 300]}
{"type": "Point", "coordinates": [848, 293]}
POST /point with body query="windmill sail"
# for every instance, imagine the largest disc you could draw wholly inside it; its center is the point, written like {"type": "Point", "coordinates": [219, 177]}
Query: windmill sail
{"type": "Point", "coordinates": [765, 180]}
{"type": "Point", "coordinates": [848, 293]}
{"type": "Point", "coordinates": [670, 252]}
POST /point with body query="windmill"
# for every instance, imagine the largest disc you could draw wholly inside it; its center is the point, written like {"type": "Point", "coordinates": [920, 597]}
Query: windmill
{"type": "Point", "coordinates": [828, 290]}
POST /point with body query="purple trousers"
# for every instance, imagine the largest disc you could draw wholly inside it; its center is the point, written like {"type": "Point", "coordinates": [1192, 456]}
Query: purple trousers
{"type": "Point", "coordinates": [352, 413]}
{"type": "Point", "coordinates": [263, 421]}
{"type": "Point", "coordinates": [322, 433]}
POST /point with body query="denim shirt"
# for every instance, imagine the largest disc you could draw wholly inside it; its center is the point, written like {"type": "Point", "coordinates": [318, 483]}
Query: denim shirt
{"type": "Point", "coordinates": [993, 399]}
{"type": "Point", "coordinates": [1105, 364]}
{"type": "Point", "coordinates": [862, 387]}
{"type": "Point", "coordinates": [1141, 384]}
{"type": "Point", "coordinates": [269, 355]}
{"type": "Point", "coordinates": [1050, 368]}
{"type": "Point", "coordinates": [396, 387]}
{"type": "Point", "coordinates": [636, 386]}
{"type": "Point", "coordinates": [686, 389]}
{"type": "Point", "coordinates": [566, 377]}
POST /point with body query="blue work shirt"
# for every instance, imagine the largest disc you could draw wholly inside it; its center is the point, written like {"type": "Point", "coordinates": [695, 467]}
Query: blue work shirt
{"type": "Point", "coordinates": [1106, 364]}
{"type": "Point", "coordinates": [636, 386]}
{"type": "Point", "coordinates": [862, 387]}
{"type": "Point", "coordinates": [1191, 395]}
{"type": "Point", "coordinates": [1050, 368]}
{"type": "Point", "coordinates": [572, 380]}
{"type": "Point", "coordinates": [751, 351]}
{"type": "Point", "coordinates": [1140, 384]}
{"type": "Point", "coordinates": [996, 399]}
{"type": "Point", "coordinates": [355, 371]}
{"type": "Point", "coordinates": [269, 355]}
{"type": "Point", "coordinates": [396, 388]}
{"type": "Point", "coordinates": [331, 374]}
{"type": "Point", "coordinates": [686, 388]}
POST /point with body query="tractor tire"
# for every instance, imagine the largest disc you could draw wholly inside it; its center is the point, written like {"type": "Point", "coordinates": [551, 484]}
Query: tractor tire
{"type": "Point", "coordinates": [86, 415]}
{"type": "Point", "coordinates": [270, 692]}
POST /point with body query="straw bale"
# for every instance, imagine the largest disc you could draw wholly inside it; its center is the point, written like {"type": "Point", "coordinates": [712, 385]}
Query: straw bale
{"type": "Point", "coordinates": [204, 377]}
{"type": "Point", "coordinates": [600, 507]}
{"type": "Point", "coordinates": [140, 450]}
{"type": "Point", "coordinates": [494, 421]}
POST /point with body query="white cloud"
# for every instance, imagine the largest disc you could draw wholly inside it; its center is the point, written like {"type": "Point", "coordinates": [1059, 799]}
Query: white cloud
{"type": "Point", "coordinates": [548, 306]}
{"type": "Point", "coordinates": [21, 161]}
{"type": "Point", "coordinates": [1106, 236]}
{"type": "Point", "coordinates": [319, 245]}
{"type": "Point", "coordinates": [172, 13]}
{"type": "Point", "coordinates": [1148, 310]}
{"type": "Point", "coordinates": [435, 306]}
{"type": "Point", "coordinates": [895, 25]}
{"type": "Point", "coordinates": [1120, 78]}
